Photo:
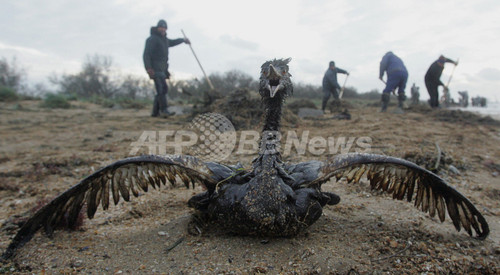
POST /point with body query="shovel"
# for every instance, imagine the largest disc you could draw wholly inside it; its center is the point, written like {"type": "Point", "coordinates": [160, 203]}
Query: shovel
{"type": "Point", "coordinates": [343, 87]}
{"type": "Point", "coordinates": [451, 75]}
{"type": "Point", "coordinates": [197, 60]}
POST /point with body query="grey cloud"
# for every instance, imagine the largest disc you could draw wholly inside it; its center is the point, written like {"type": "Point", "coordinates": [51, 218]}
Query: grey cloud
{"type": "Point", "coordinates": [490, 74]}
{"type": "Point", "coordinates": [239, 43]}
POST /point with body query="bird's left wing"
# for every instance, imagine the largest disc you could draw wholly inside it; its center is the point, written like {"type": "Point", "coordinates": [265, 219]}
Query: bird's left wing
{"type": "Point", "coordinates": [402, 179]}
{"type": "Point", "coordinates": [117, 180]}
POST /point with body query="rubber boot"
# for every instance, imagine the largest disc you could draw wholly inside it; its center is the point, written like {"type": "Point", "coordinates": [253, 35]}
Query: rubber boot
{"type": "Point", "coordinates": [401, 99]}
{"type": "Point", "coordinates": [385, 102]}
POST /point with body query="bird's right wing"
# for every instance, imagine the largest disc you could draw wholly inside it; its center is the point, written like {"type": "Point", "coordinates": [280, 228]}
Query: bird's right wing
{"type": "Point", "coordinates": [402, 179]}
{"type": "Point", "coordinates": [117, 180]}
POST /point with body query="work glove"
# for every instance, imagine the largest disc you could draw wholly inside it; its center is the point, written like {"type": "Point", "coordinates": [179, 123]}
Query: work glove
{"type": "Point", "coordinates": [187, 41]}
{"type": "Point", "coordinates": [151, 73]}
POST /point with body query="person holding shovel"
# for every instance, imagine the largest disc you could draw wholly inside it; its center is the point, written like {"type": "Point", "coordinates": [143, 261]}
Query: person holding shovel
{"type": "Point", "coordinates": [330, 84]}
{"type": "Point", "coordinates": [397, 76]}
{"type": "Point", "coordinates": [433, 81]}
{"type": "Point", "coordinates": [155, 59]}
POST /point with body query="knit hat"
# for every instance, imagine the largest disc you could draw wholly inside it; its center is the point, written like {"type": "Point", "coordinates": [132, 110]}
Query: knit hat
{"type": "Point", "coordinates": [161, 24]}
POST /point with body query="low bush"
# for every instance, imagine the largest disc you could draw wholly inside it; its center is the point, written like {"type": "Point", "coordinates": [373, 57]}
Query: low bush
{"type": "Point", "coordinates": [8, 94]}
{"type": "Point", "coordinates": [55, 101]}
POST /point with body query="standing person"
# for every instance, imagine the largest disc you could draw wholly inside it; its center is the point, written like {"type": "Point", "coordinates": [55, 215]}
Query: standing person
{"type": "Point", "coordinates": [433, 81]}
{"type": "Point", "coordinates": [155, 59]}
{"type": "Point", "coordinates": [415, 94]}
{"type": "Point", "coordinates": [397, 76]}
{"type": "Point", "coordinates": [464, 98]}
{"type": "Point", "coordinates": [330, 84]}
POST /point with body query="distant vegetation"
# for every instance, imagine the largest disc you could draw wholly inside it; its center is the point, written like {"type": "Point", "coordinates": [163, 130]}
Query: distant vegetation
{"type": "Point", "coordinates": [98, 82]}
{"type": "Point", "coordinates": [10, 80]}
{"type": "Point", "coordinates": [55, 101]}
{"type": "Point", "coordinates": [11, 76]}
{"type": "Point", "coordinates": [7, 94]}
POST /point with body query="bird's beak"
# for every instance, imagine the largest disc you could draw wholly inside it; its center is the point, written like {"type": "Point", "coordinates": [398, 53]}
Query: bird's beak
{"type": "Point", "coordinates": [274, 85]}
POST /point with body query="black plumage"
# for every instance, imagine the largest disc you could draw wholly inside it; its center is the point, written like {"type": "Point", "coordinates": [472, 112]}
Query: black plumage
{"type": "Point", "coordinates": [272, 198]}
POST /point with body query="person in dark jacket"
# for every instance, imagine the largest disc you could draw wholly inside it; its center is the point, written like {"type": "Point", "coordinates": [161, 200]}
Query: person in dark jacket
{"type": "Point", "coordinates": [433, 81]}
{"type": "Point", "coordinates": [155, 59]}
{"type": "Point", "coordinates": [330, 84]}
{"type": "Point", "coordinates": [397, 76]}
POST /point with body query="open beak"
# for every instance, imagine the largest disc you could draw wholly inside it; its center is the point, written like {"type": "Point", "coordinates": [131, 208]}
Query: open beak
{"type": "Point", "coordinates": [274, 81]}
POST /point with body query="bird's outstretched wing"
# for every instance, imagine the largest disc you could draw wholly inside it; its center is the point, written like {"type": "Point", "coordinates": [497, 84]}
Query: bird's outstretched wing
{"type": "Point", "coordinates": [402, 179]}
{"type": "Point", "coordinates": [117, 180]}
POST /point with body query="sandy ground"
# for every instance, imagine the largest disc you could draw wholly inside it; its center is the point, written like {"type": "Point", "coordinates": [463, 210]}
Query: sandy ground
{"type": "Point", "coordinates": [43, 152]}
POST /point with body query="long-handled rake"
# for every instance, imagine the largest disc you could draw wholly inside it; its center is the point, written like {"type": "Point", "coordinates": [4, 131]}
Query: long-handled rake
{"type": "Point", "coordinates": [451, 75]}
{"type": "Point", "coordinates": [343, 88]}
{"type": "Point", "coordinates": [197, 60]}
{"type": "Point", "coordinates": [446, 93]}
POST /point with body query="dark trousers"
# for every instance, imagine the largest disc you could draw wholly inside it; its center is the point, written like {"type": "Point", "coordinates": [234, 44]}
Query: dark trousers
{"type": "Point", "coordinates": [432, 88]}
{"type": "Point", "coordinates": [326, 96]}
{"type": "Point", "coordinates": [160, 101]}
{"type": "Point", "coordinates": [397, 80]}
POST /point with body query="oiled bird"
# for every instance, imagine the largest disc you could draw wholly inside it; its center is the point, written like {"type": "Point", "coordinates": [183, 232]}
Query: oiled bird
{"type": "Point", "coordinates": [272, 198]}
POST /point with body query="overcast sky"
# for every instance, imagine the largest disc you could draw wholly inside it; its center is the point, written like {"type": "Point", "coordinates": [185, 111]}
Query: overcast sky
{"type": "Point", "coordinates": [55, 36]}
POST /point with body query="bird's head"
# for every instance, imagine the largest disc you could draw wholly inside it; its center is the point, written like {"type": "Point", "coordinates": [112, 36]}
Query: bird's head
{"type": "Point", "coordinates": [275, 79]}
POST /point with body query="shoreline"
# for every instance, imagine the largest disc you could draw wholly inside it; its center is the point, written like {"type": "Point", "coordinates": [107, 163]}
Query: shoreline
{"type": "Point", "coordinates": [482, 111]}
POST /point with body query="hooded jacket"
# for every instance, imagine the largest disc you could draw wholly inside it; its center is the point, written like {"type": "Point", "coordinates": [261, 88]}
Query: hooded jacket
{"type": "Point", "coordinates": [156, 52]}
{"type": "Point", "coordinates": [390, 63]}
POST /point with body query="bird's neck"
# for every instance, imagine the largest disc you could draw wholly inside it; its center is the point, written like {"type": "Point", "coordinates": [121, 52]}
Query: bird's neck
{"type": "Point", "coordinates": [269, 164]}
{"type": "Point", "coordinates": [272, 118]}
{"type": "Point", "coordinates": [270, 138]}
